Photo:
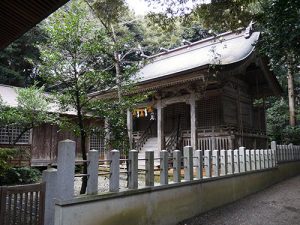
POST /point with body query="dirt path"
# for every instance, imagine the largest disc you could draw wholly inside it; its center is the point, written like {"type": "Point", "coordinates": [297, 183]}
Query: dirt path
{"type": "Point", "coordinates": [277, 205]}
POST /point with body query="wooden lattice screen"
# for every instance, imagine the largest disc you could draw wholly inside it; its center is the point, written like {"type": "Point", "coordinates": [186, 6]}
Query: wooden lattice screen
{"type": "Point", "coordinates": [171, 114]}
{"type": "Point", "coordinates": [209, 111]}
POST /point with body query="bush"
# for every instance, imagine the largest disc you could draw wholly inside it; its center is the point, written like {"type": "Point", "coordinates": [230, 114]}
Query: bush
{"type": "Point", "coordinates": [291, 135]}
{"type": "Point", "coordinates": [20, 175]}
{"type": "Point", "coordinates": [6, 154]}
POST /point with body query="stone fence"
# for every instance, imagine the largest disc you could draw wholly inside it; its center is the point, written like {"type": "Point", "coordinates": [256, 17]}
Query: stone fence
{"type": "Point", "coordinates": [186, 166]}
{"type": "Point", "coordinates": [287, 153]}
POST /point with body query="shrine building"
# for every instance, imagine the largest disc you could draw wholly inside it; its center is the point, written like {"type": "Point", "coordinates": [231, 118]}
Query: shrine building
{"type": "Point", "coordinates": [208, 94]}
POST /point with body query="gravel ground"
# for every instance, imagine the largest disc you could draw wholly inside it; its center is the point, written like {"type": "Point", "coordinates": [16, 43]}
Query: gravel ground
{"type": "Point", "coordinates": [277, 205]}
{"type": "Point", "coordinates": [103, 183]}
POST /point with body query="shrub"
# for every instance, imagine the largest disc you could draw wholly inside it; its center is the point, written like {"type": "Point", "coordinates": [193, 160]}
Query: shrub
{"type": "Point", "coordinates": [20, 175]}
{"type": "Point", "coordinates": [291, 135]}
{"type": "Point", "coordinates": [6, 154]}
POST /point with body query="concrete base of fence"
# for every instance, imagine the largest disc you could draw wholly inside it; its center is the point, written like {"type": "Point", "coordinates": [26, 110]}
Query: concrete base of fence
{"type": "Point", "coordinates": [167, 205]}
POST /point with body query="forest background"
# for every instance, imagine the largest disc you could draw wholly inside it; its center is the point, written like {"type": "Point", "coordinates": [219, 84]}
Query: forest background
{"type": "Point", "coordinates": [96, 45]}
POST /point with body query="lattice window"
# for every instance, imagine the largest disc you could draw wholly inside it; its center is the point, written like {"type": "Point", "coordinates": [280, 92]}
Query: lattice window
{"type": "Point", "coordinates": [97, 142]}
{"type": "Point", "coordinates": [209, 111]}
{"type": "Point", "coordinates": [10, 134]}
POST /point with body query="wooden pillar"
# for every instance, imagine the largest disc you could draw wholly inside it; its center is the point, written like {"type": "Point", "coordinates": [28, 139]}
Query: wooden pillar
{"type": "Point", "coordinates": [192, 102]}
{"type": "Point", "coordinates": [160, 127]}
{"type": "Point", "coordinates": [130, 128]}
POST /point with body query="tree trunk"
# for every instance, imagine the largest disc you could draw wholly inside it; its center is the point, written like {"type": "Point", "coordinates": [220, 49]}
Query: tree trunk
{"type": "Point", "coordinates": [82, 142]}
{"type": "Point", "coordinates": [117, 63]}
{"type": "Point", "coordinates": [83, 152]}
{"type": "Point", "coordinates": [291, 96]}
{"type": "Point", "coordinates": [118, 74]}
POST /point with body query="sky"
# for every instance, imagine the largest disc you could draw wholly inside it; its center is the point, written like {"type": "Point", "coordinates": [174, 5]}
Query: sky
{"type": "Point", "coordinates": [140, 7]}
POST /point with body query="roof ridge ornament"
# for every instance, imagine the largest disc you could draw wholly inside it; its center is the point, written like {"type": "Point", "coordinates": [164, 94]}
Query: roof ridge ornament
{"type": "Point", "coordinates": [249, 30]}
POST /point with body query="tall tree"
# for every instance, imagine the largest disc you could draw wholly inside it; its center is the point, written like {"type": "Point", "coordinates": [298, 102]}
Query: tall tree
{"type": "Point", "coordinates": [74, 66]}
{"type": "Point", "coordinates": [122, 41]}
{"type": "Point", "coordinates": [281, 42]}
{"type": "Point", "coordinates": [19, 60]}
{"type": "Point", "coordinates": [111, 15]}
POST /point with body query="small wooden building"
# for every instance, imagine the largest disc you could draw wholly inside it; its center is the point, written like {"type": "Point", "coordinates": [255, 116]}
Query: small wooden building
{"type": "Point", "coordinates": [40, 143]}
{"type": "Point", "coordinates": [208, 94]}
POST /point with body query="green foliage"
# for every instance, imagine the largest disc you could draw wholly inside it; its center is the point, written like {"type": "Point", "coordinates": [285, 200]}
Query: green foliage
{"type": "Point", "coordinates": [110, 11]}
{"type": "Point", "coordinates": [277, 117]}
{"type": "Point", "coordinates": [18, 61]}
{"type": "Point", "coordinates": [32, 110]}
{"type": "Point", "coordinates": [20, 175]}
{"type": "Point", "coordinates": [280, 41]}
{"type": "Point", "coordinates": [277, 122]}
{"type": "Point", "coordinates": [291, 135]}
{"type": "Point", "coordinates": [217, 15]}
{"type": "Point", "coordinates": [10, 175]}
{"type": "Point", "coordinates": [85, 54]}
{"type": "Point", "coordinates": [6, 154]}
{"type": "Point", "coordinates": [73, 61]}
{"type": "Point", "coordinates": [222, 16]}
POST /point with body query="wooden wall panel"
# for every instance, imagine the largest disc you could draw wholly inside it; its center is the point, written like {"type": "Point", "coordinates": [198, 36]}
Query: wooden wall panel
{"type": "Point", "coordinates": [45, 140]}
{"type": "Point", "coordinates": [229, 106]}
{"type": "Point", "coordinates": [247, 114]}
{"type": "Point", "coordinates": [175, 112]}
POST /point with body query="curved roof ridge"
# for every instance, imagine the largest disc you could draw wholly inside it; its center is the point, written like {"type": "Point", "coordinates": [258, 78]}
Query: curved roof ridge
{"type": "Point", "coordinates": [228, 48]}
{"type": "Point", "coordinates": [195, 43]}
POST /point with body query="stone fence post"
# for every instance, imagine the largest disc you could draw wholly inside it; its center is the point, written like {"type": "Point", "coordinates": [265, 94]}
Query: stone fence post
{"type": "Point", "coordinates": [65, 169]}
{"type": "Point", "coordinates": [262, 159]}
{"type": "Point", "coordinates": [236, 161]}
{"type": "Point", "coordinates": [223, 160]}
{"type": "Point", "coordinates": [291, 152]}
{"type": "Point", "coordinates": [270, 158]}
{"type": "Point", "coordinates": [164, 167]}
{"type": "Point", "coordinates": [114, 181]}
{"type": "Point", "coordinates": [176, 166]}
{"type": "Point", "coordinates": [215, 163]}
{"type": "Point", "coordinates": [266, 158]}
{"type": "Point", "coordinates": [149, 177]}
{"type": "Point", "coordinates": [199, 164]}
{"type": "Point", "coordinates": [253, 159]}
{"type": "Point", "coordinates": [92, 170]}
{"type": "Point", "coordinates": [276, 155]}
{"type": "Point", "coordinates": [133, 169]}
{"type": "Point", "coordinates": [242, 159]}
{"type": "Point", "coordinates": [188, 163]}
{"type": "Point", "coordinates": [207, 163]}
{"type": "Point", "coordinates": [257, 159]}
{"type": "Point", "coordinates": [248, 160]}
{"type": "Point", "coordinates": [50, 178]}
{"type": "Point", "coordinates": [230, 163]}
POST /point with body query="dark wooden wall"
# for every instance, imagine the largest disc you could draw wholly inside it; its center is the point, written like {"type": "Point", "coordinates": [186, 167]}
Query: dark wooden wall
{"type": "Point", "coordinates": [174, 114]}
{"type": "Point", "coordinates": [45, 140]}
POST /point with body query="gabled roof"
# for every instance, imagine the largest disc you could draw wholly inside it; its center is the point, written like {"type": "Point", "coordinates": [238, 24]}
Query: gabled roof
{"type": "Point", "coordinates": [9, 96]}
{"type": "Point", "coordinates": [224, 49]}
{"type": "Point", "coordinates": [19, 16]}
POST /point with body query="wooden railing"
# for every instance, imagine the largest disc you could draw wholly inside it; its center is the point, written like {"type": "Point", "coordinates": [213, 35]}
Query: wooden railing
{"type": "Point", "coordinates": [22, 204]}
{"type": "Point", "coordinates": [218, 138]}
{"type": "Point", "coordinates": [171, 142]}
{"type": "Point", "coordinates": [141, 137]}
